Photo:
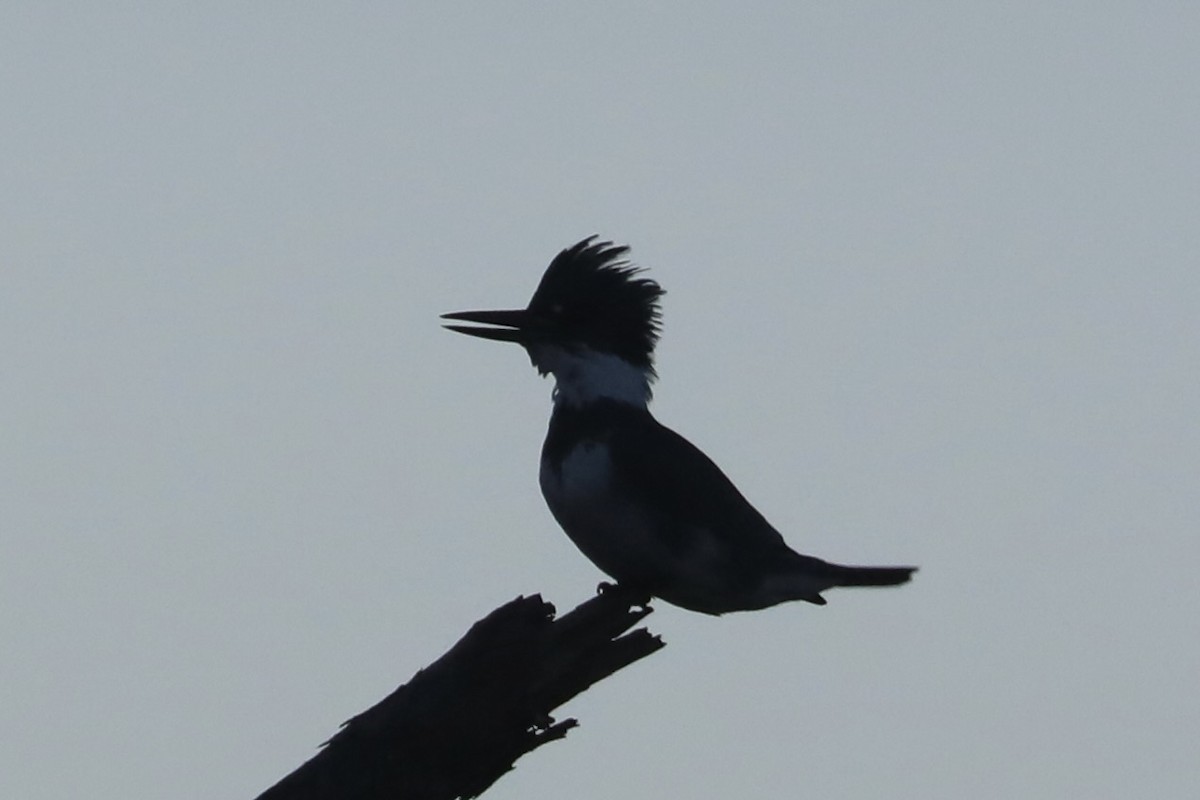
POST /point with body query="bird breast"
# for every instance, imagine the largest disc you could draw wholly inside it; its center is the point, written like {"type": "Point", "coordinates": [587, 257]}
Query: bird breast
{"type": "Point", "coordinates": [607, 527]}
{"type": "Point", "coordinates": [582, 478]}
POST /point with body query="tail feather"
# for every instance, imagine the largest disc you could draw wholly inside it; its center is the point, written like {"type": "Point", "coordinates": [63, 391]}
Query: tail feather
{"type": "Point", "coordinates": [809, 576]}
{"type": "Point", "coordinates": [843, 575]}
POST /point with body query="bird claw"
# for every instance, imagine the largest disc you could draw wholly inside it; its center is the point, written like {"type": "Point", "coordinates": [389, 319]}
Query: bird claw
{"type": "Point", "coordinates": [635, 598]}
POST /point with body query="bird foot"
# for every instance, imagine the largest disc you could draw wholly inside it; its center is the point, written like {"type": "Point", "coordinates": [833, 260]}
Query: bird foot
{"type": "Point", "coordinates": [630, 596]}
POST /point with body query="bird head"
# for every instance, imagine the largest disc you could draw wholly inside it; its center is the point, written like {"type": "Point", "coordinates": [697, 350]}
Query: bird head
{"type": "Point", "coordinates": [593, 320]}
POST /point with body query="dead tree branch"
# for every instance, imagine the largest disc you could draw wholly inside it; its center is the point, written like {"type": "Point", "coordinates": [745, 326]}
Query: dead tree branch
{"type": "Point", "coordinates": [464, 720]}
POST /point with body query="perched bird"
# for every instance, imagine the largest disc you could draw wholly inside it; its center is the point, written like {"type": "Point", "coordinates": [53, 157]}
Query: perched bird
{"type": "Point", "coordinates": [644, 504]}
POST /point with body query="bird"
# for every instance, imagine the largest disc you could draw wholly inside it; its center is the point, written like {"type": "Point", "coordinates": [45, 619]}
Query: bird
{"type": "Point", "coordinates": [644, 504]}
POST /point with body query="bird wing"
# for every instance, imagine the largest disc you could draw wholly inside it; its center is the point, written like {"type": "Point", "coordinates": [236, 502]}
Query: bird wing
{"type": "Point", "coordinates": [692, 495]}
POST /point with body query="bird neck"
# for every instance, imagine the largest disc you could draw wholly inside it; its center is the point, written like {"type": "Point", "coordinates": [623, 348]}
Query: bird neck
{"type": "Point", "coordinates": [583, 376]}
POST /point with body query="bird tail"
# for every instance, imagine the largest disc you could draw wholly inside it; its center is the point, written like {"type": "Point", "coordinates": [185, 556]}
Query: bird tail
{"type": "Point", "coordinates": [809, 576]}
{"type": "Point", "coordinates": [869, 576]}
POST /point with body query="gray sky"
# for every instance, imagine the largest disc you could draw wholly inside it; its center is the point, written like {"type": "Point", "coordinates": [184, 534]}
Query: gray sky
{"type": "Point", "coordinates": [932, 298]}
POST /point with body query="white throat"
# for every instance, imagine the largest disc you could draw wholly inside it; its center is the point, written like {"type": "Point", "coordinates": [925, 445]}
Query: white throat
{"type": "Point", "coordinates": [582, 376]}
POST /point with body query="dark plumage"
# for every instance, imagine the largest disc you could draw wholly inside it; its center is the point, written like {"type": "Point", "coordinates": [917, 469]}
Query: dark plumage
{"type": "Point", "coordinates": [590, 293]}
{"type": "Point", "coordinates": [644, 504]}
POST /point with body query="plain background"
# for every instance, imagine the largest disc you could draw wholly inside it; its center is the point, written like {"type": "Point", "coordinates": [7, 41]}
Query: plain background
{"type": "Point", "coordinates": [932, 298]}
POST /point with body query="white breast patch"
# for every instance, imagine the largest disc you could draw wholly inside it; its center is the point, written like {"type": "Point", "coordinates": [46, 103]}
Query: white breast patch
{"type": "Point", "coordinates": [585, 473]}
{"type": "Point", "coordinates": [609, 530]}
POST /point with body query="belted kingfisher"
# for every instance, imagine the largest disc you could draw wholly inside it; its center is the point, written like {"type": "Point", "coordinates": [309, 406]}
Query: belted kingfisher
{"type": "Point", "coordinates": [644, 504]}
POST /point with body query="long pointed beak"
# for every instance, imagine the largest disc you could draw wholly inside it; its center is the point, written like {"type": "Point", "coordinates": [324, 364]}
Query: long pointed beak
{"type": "Point", "coordinates": [513, 325]}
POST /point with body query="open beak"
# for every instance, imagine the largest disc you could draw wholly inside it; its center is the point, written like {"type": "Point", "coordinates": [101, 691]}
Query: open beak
{"type": "Point", "coordinates": [511, 326]}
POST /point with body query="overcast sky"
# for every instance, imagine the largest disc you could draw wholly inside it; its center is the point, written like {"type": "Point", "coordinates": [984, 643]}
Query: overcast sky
{"type": "Point", "coordinates": [932, 298]}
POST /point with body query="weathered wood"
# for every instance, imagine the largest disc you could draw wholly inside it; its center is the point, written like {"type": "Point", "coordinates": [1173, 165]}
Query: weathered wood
{"type": "Point", "coordinates": [464, 720]}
